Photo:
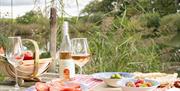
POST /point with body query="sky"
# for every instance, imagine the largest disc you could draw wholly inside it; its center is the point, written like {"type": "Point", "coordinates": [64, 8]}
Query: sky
{"type": "Point", "coordinates": [20, 7]}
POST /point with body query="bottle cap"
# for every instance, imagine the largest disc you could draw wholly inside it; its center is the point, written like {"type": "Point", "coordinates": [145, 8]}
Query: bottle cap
{"type": "Point", "coordinates": [65, 28]}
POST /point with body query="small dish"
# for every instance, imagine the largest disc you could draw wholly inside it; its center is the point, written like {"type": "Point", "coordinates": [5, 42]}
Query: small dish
{"type": "Point", "coordinates": [112, 82]}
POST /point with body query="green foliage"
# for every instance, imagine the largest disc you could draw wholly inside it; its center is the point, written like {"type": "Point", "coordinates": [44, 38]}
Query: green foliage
{"type": "Point", "coordinates": [23, 29]}
{"type": "Point", "coordinates": [95, 18]}
{"type": "Point", "coordinates": [6, 26]}
{"type": "Point", "coordinates": [2, 77]}
{"type": "Point", "coordinates": [120, 51]}
{"type": "Point", "coordinates": [92, 7]}
{"type": "Point", "coordinates": [33, 25]}
{"type": "Point", "coordinates": [130, 43]}
{"type": "Point", "coordinates": [151, 20]}
{"type": "Point", "coordinates": [121, 48]}
{"type": "Point", "coordinates": [4, 41]}
{"type": "Point", "coordinates": [125, 40]}
{"type": "Point", "coordinates": [45, 55]}
{"type": "Point", "coordinates": [171, 22]}
{"type": "Point", "coordinates": [163, 7]}
{"type": "Point", "coordinates": [29, 17]}
{"type": "Point", "coordinates": [104, 6]}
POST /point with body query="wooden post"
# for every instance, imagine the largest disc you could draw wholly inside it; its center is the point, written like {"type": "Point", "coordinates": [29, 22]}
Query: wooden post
{"type": "Point", "coordinates": [53, 28]}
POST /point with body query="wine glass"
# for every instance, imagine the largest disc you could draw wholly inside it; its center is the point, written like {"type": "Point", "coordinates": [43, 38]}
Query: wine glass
{"type": "Point", "coordinates": [14, 54]}
{"type": "Point", "coordinates": [80, 52]}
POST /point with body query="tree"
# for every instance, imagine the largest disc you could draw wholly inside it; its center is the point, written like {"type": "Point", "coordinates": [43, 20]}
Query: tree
{"type": "Point", "coordinates": [99, 6]}
{"type": "Point", "coordinates": [53, 29]}
{"type": "Point", "coordinates": [33, 25]}
{"type": "Point", "coordinates": [164, 7]}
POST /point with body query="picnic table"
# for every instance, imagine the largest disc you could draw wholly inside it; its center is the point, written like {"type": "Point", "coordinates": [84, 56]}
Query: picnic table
{"type": "Point", "coordinates": [94, 85]}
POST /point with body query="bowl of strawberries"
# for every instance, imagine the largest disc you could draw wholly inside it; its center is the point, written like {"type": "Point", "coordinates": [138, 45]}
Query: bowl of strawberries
{"type": "Point", "coordinates": [132, 84]}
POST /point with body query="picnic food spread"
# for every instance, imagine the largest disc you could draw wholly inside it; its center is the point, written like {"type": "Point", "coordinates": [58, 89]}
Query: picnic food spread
{"type": "Point", "coordinates": [75, 85]}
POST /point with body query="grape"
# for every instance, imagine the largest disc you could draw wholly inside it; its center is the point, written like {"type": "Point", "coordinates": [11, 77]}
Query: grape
{"type": "Point", "coordinates": [116, 76]}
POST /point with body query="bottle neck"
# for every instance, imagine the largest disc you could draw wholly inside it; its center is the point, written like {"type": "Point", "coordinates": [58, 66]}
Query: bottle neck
{"type": "Point", "coordinates": [65, 28]}
{"type": "Point", "coordinates": [66, 43]}
{"type": "Point", "coordinates": [65, 32]}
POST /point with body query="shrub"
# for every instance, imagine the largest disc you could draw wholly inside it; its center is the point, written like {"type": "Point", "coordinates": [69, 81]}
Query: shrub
{"type": "Point", "coordinates": [29, 17]}
{"type": "Point", "coordinates": [95, 18]}
{"type": "Point", "coordinates": [4, 41]}
{"type": "Point", "coordinates": [151, 20]}
{"type": "Point", "coordinates": [170, 23]}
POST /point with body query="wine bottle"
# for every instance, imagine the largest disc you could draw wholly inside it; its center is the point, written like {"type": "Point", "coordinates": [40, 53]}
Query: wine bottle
{"type": "Point", "coordinates": [66, 64]}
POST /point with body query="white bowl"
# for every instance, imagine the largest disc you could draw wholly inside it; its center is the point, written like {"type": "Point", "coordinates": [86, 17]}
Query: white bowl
{"type": "Point", "coordinates": [106, 77]}
{"type": "Point", "coordinates": [112, 82]}
{"type": "Point", "coordinates": [123, 82]}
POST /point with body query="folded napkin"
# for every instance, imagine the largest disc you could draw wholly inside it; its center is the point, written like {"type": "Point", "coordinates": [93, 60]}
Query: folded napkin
{"type": "Point", "coordinates": [87, 80]}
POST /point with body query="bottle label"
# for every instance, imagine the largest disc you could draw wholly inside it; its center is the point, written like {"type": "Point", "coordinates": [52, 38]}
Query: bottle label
{"type": "Point", "coordinates": [66, 68]}
{"type": "Point", "coordinates": [67, 74]}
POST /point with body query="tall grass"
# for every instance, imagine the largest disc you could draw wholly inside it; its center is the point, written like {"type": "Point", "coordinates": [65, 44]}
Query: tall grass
{"type": "Point", "coordinates": [116, 53]}
{"type": "Point", "coordinates": [120, 48]}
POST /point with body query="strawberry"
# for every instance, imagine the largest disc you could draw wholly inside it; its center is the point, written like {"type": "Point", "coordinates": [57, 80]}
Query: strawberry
{"type": "Point", "coordinates": [177, 84]}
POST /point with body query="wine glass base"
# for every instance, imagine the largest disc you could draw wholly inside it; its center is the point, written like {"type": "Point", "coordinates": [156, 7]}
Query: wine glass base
{"type": "Point", "coordinates": [16, 87]}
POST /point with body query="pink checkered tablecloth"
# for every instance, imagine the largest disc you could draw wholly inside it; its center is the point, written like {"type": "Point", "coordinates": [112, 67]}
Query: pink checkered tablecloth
{"type": "Point", "coordinates": [94, 84]}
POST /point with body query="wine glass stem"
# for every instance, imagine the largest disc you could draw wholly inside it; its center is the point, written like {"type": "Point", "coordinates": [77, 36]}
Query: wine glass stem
{"type": "Point", "coordinates": [16, 76]}
{"type": "Point", "coordinates": [81, 70]}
